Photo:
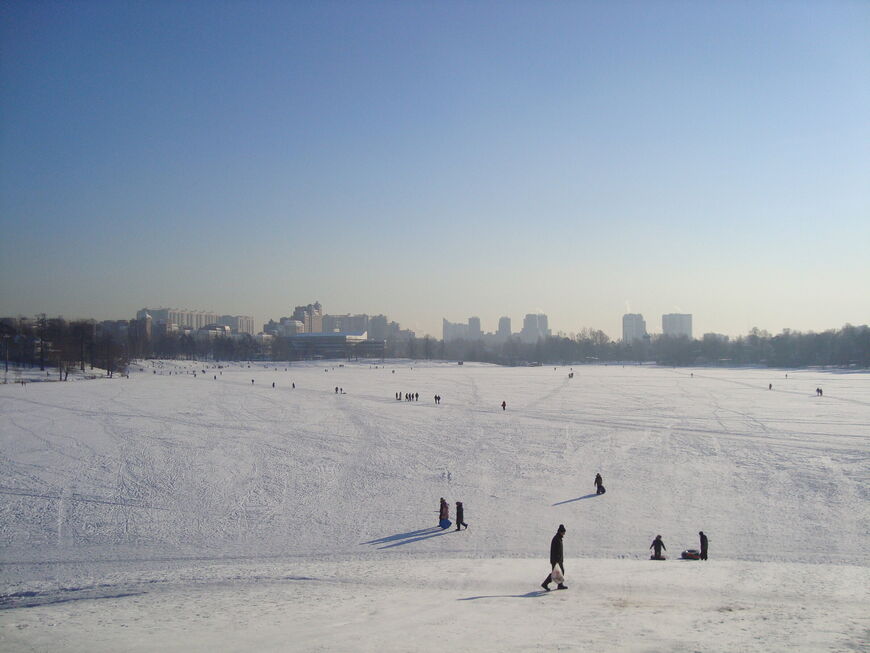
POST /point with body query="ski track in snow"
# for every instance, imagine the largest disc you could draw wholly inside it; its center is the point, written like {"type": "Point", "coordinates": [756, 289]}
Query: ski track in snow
{"type": "Point", "coordinates": [143, 491]}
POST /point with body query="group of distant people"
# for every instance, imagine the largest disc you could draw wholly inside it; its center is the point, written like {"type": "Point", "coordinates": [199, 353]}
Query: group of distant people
{"type": "Point", "coordinates": [557, 557]}
{"type": "Point", "coordinates": [818, 392]}
{"type": "Point", "coordinates": [444, 515]}
{"type": "Point", "coordinates": [658, 546]}
{"type": "Point", "coordinates": [408, 396]}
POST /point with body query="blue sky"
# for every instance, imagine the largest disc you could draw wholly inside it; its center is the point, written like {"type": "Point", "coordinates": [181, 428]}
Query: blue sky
{"type": "Point", "coordinates": [432, 160]}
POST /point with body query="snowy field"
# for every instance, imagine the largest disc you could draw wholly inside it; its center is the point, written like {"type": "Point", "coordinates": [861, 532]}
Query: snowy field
{"type": "Point", "coordinates": [182, 512]}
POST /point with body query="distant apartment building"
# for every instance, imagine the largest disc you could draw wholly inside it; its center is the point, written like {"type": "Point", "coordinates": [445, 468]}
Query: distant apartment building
{"type": "Point", "coordinates": [346, 323]}
{"type": "Point", "coordinates": [535, 326]}
{"type": "Point", "coordinates": [504, 328]}
{"type": "Point", "coordinates": [474, 332]}
{"type": "Point", "coordinates": [677, 324]}
{"type": "Point", "coordinates": [173, 319]}
{"type": "Point", "coordinates": [238, 323]}
{"type": "Point", "coordinates": [381, 328]}
{"type": "Point", "coordinates": [378, 327]}
{"type": "Point", "coordinates": [453, 331]}
{"type": "Point", "coordinates": [213, 331]}
{"type": "Point", "coordinates": [311, 316]}
{"type": "Point", "coordinates": [633, 327]}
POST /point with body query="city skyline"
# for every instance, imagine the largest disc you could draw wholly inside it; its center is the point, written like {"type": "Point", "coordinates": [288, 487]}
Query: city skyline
{"type": "Point", "coordinates": [583, 161]}
{"type": "Point", "coordinates": [535, 325]}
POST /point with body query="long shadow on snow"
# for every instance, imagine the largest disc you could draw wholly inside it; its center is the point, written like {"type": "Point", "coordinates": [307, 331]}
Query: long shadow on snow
{"type": "Point", "coordinates": [588, 496]}
{"type": "Point", "coordinates": [54, 600]}
{"type": "Point", "coordinates": [403, 536]}
{"type": "Point", "coordinates": [528, 595]}
{"type": "Point", "coordinates": [400, 539]}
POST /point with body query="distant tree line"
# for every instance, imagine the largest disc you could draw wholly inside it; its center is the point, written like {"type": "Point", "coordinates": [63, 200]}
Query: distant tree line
{"type": "Point", "coordinates": [845, 347]}
{"type": "Point", "coordinates": [61, 345]}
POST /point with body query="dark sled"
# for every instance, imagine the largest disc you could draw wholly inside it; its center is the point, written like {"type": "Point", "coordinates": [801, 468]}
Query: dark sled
{"type": "Point", "coordinates": [691, 554]}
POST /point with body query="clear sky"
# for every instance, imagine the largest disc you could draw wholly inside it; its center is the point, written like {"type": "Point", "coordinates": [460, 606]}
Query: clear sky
{"type": "Point", "coordinates": [439, 159]}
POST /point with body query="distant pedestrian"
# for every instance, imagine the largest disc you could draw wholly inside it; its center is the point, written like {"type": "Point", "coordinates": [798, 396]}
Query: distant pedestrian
{"type": "Point", "coordinates": [443, 513]}
{"type": "Point", "coordinates": [703, 545]}
{"type": "Point", "coordinates": [293, 385]}
{"type": "Point", "coordinates": [336, 389]}
{"type": "Point", "coordinates": [770, 386]}
{"type": "Point", "coordinates": [557, 557]}
{"type": "Point", "coordinates": [599, 485]}
{"type": "Point", "coordinates": [657, 546]}
{"type": "Point", "coordinates": [273, 384]}
{"type": "Point", "coordinates": [416, 396]}
{"type": "Point", "coordinates": [503, 405]}
{"type": "Point", "coordinates": [460, 516]}
{"type": "Point", "coordinates": [252, 381]}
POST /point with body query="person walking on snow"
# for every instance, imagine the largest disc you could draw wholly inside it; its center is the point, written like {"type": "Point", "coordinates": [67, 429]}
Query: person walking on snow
{"type": "Point", "coordinates": [599, 484]}
{"type": "Point", "coordinates": [460, 516]}
{"type": "Point", "coordinates": [557, 557]}
{"type": "Point", "coordinates": [443, 510]}
{"type": "Point", "coordinates": [503, 405]}
{"type": "Point", "coordinates": [657, 546]}
{"type": "Point", "coordinates": [703, 545]}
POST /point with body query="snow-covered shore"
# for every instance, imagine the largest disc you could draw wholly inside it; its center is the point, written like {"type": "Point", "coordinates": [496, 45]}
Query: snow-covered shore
{"type": "Point", "coordinates": [193, 513]}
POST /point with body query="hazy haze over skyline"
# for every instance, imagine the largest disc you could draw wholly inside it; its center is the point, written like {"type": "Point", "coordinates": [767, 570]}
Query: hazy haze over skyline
{"type": "Point", "coordinates": [430, 161]}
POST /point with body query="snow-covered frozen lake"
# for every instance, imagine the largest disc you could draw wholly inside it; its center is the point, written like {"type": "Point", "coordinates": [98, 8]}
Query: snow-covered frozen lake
{"type": "Point", "coordinates": [187, 512]}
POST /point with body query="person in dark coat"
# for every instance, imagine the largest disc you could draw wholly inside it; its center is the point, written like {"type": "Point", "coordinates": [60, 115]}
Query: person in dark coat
{"type": "Point", "coordinates": [703, 545]}
{"type": "Point", "coordinates": [460, 516]}
{"type": "Point", "coordinates": [657, 546]}
{"type": "Point", "coordinates": [599, 484]}
{"type": "Point", "coordinates": [503, 405]}
{"type": "Point", "coordinates": [557, 557]}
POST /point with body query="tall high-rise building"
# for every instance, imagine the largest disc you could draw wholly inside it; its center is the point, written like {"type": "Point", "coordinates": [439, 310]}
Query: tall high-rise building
{"type": "Point", "coordinates": [504, 327]}
{"type": "Point", "coordinates": [378, 327]}
{"type": "Point", "coordinates": [346, 323]}
{"type": "Point", "coordinates": [534, 327]}
{"type": "Point", "coordinates": [633, 327]}
{"type": "Point", "coordinates": [238, 323]}
{"type": "Point", "coordinates": [173, 317]}
{"type": "Point", "coordinates": [677, 324]}
{"type": "Point", "coordinates": [452, 331]}
{"type": "Point", "coordinates": [311, 316]}
{"type": "Point", "coordinates": [474, 332]}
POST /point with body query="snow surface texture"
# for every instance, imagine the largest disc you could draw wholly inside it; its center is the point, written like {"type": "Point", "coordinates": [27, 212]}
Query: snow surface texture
{"type": "Point", "coordinates": [194, 513]}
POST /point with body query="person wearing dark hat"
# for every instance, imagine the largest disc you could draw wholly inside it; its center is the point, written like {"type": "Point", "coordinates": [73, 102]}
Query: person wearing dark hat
{"type": "Point", "coordinates": [557, 557]}
{"type": "Point", "coordinates": [460, 516]}
{"type": "Point", "coordinates": [703, 545]}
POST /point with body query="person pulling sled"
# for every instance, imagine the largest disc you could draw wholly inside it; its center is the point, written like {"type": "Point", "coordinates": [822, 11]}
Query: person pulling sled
{"type": "Point", "coordinates": [444, 514]}
{"type": "Point", "coordinates": [657, 546]}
